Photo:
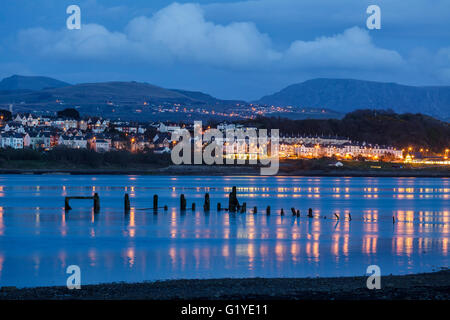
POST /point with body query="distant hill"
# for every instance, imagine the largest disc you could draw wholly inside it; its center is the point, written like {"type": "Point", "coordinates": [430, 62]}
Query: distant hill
{"type": "Point", "coordinates": [117, 92]}
{"type": "Point", "coordinates": [17, 82]}
{"type": "Point", "coordinates": [345, 95]}
{"type": "Point", "coordinates": [197, 95]}
{"type": "Point", "coordinates": [103, 92]}
{"type": "Point", "coordinates": [206, 98]}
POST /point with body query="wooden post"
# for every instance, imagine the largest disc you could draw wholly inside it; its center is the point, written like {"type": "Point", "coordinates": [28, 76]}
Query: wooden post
{"type": "Point", "coordinates": [155, 202]}
{"type": "Point", "coordinates": [233, 203]}
{"type": "Point", "coordinates": [293, 212]}
{"type": "Point", "coordinates": [268, 210]}
{"type": "Point", "coordinates": [207, 204]}
{"type": "Point", "coordinates": [244, 207]}
{"type": "Point", "coordinates": [336, 215]}
{"type": "Point", "coordinates": [165, 208]}
{"type": "Point", "coordinates": [96, 203]}
{"type": "Point", "coordinates": [219, 207]}
{"type": "Point", "coordinates": [298, 213]}
{"type": "Point", "coordinates": [127, 203]}
{"type": "Point", "coordinates": [193, 206]}
{"type": "Point", "coordinates": [393, 219]}
{"type": "Point", "coordinates": [255, 210]}
{"type": "Point", "coordinates": [66, 204]}
{"type": "Point", "coordinates": [310, 213]}
{"type": "Point", "coordinates": [182, 202]}
{"type": "Point", "coordinates": [282, 212]}
{"type": "Point", "coordinates": [350, 217]}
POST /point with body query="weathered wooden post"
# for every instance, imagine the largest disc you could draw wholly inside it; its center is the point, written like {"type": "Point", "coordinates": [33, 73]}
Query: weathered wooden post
{"type": "Point", "coordinates": [244, 207]}
{"type": "Point", "coordinates": [233, 203]}
{"type": "Point", "coordinates": [193, 206]}
{"type": "Point", "coordinates": [393, 219]}
{"type": "Point", "coordinates": [310, 213]}
{"type": "Point", "coordinates": [219, 207]}
{"type": "Point", "coordinates": [166, 208]}
{"type": "Point", "coordinates": [207, 204]}
{"type": "Point", "coordinates": [127, 203]}
{"type": "Point", "coordinates": [337, 217]}
{"type": "Point", "coordinates": [349, 217]}
{"type": "Point", "coordinates": [182, 203]}
{"type": "Point", "coordinates": [66, 204]}
{"type": "Point", "coordinates": [96, 203]}
{"type": "Point", "coordinates": [268, 210]}
{"type": "Point", "coordinates": [298, 213]}
{"type": "Point", "coordinates": [255, 210]}
{"type": "Point", "coordinates": [155, 202]}
{"type": "Point", "coordinates": [293, 212]}
{"type": "Point", "coordinates": [282, 212]}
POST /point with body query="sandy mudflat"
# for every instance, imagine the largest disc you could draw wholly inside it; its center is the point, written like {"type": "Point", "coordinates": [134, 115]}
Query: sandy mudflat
{"type": "Point", "coordinates": [427, 286]}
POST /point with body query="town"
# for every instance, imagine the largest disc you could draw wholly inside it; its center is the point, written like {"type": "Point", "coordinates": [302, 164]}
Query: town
{"type": "Point", "coordinates": [103, 135]}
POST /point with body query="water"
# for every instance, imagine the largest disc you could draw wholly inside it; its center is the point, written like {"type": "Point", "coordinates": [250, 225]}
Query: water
{"type": "Point", "coordinates": [38, 240]}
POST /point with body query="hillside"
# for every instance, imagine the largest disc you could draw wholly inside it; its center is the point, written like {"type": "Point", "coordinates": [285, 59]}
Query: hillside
{"type": "Point", "coordinates": [103, 92]}
{"type": "Point", "coordinates": [17, 82]}
{"type": "Point", "coordinates": [344, 95]}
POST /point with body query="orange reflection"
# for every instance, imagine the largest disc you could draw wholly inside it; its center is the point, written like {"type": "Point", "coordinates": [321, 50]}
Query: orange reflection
{"type": "Point", "coordinates": [132, 223]}
{"type": "Point", "coordinates": [2, 224]}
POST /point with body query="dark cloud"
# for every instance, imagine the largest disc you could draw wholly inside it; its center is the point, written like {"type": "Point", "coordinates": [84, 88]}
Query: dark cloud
{"type": "Point", "coordinates": [231, 41]}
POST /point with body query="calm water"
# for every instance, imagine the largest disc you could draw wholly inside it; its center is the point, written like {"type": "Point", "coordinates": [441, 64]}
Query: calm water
{"type": "Point", "coordinates": [38, 240]}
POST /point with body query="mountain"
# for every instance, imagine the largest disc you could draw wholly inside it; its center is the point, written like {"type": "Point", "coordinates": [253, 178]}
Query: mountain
{"type": "Point", "coordinates": [197, 95]}
{"type": "Point", "coordinates": [346, 95]}
{"type": "Point", "coordinates": [17, 82]}
{"type": "Point", "coordinates": [99, 93]}
{"type": "Point", "coordinates": [118, 93]}
{"type": "Point", "coordinates": [206, 98]}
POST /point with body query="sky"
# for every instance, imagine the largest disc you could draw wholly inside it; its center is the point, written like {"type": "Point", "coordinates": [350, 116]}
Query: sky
{"type": "Point", "coordinates": [229, 49]}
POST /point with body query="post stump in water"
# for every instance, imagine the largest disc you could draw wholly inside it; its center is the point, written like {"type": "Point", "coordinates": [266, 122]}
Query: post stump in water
{"type": "Point", "coordinates": [155, 202]}
{"type": "Point", "coordinates": [207, 204]}
{"type": "Point", "coordinates": [96, 203]}
{"type": "Point", "coordinates": [127, 203]}
{"type": "Point", "coordinates": [182, 203]}
{"type": "Point", "coordinates": [233, 202]}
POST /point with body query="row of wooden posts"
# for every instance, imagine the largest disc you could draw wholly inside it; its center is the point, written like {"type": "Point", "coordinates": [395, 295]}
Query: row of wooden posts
{"type": "Point", "coordinates": [233, 205]}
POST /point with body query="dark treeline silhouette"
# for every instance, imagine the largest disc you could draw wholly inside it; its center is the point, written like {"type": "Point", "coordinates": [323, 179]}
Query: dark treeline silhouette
{"type": "Point", "coordinates": [370, 126]}
{"type": "Point", "coordinates": [85, 157]}
{"type": "Point", "coordinates": [69, 113]}
{"type": "Point", "coordinates": [7, 116]}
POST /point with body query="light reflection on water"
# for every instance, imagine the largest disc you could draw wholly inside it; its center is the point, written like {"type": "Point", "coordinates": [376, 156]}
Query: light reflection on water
{"type": "Point", "coordinates": [38, 239]}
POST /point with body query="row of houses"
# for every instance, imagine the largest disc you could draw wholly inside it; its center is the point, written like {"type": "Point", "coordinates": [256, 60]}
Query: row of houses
{"type": "Point", "coordinates": [101, 135]}
{"type": "Point", "coordinates": [344, 150]}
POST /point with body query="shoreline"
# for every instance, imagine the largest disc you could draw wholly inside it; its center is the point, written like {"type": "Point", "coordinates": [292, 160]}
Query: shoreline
{"type": "Point", "coordinates": [422, 286]}
{"type": "Point", "coordinates": [184, 170]}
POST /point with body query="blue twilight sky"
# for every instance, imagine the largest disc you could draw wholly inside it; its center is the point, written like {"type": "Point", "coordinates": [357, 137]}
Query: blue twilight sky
{"type": "Point", "coordinates": [230, 49]}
